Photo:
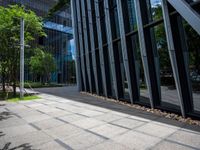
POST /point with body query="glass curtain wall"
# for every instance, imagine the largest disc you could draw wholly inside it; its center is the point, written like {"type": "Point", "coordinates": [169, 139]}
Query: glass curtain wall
{"type": "Point", "coordinates": [156, 47]}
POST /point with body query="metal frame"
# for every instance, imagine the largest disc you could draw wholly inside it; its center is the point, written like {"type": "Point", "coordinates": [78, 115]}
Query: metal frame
{"type": "Point", "coordinates": [82, 53]}
{"type": "Point", "coordinates": [189, 14]}
{"type": "Point", "coordinates": [87, 46]}
{"type": "Point", "coordinates": [115, 67]}
{"type": "Point", "coordinates": [75, 32]}
{"type": "Point", "coordinates": [101, 52]}
{"type": "Point", "coordinates": [149, 58]}
{"type": "Point", "coordinates": [94, 61]}
{"type": "Point", "coordinates": [98, 56]}
{"type": "Point", "coordinates": [129, 61]}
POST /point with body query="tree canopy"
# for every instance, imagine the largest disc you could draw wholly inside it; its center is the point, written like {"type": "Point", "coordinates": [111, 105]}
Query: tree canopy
{"type": "Point", "coordinates": [10, 39]}
{"type": "Point", "coordinates": [42, 64]}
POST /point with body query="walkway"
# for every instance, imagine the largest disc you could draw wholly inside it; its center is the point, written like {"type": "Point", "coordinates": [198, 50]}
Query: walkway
{"type": "Point", "coordinates": [66, 119]}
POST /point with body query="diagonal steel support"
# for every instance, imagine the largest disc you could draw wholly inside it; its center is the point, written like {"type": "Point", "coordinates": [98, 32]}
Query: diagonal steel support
{"type": "Point", "coordinates": [187, 12]}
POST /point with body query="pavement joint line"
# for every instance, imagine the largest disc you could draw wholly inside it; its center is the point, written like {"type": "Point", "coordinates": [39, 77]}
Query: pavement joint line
{"type": "Point", "coordinates": [61, 120]}
{"type": "Point", "coordinates": [185, 145]}
{"type": "Point", "coordinates": [63, 144]}
{"type": "Point", "coordinates": [119, 126]}
{"type": "Point", "coordinates": [17, 116]}
{"type": "Point", "coordinates": [60, 108]}
{"type": "Point", "coordinates": [34, 126]}
{"type": "Point", "coordinates": [27, 106]}
{"type": "Point", "coordinates": [103, 137]}
{"type": "Point", "coordinates": [40, 111]}
{"type": "Point", "coordinates": [82, 115]}
{"type": "Point", "coordinates": [165, 139]}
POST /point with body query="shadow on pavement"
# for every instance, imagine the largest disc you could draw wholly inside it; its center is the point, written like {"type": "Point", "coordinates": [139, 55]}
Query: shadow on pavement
{"type": "Point", "coordinates": [25, 146]}
{"type": "Point", "coordinates": [5, 115]}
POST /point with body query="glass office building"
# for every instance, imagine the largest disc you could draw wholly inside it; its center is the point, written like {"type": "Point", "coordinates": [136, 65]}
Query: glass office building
{"type": "Point", "coordinates": [144, 52]}
{"type": "Point", "coordinates": [59, 40]}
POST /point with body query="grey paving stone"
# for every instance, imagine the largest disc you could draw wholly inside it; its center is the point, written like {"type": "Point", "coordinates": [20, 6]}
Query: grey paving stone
{"type": "Point", "coordinates": [166, 145]}
{"type": "Point", "coordinates": [186, 138]}
{"type": "Point", "coordinates": [34, 105]}
{"type": "Point", "coordinates": [35, 118]}
{"type": "Point", "coordinates": [63, 131]}
{"type": "Point", "coordinates": [46, 109]}
{"type": "Point", "coordinates": [156, 130]}
{"type": "Point", "coordinates": [120, 114]}
{"type": "Point", "coordinates": [109, 130]}
{"type": "Point", "coordinates": [108, 117]}
{"type": "Point", "coordinates": [30, 113]}
{"type": "Point", "coordinates": [144, 117]}
{"type": "Point", "coordinates": [13, 121]}
{"type": "Point", "coordinates": [83, 140]}
{"type": "Point", "coordinates": [48, 123]}
{"type": "Point", "coordinates": [128, 123]}
{"type": "Point", "coordinates": [109, 145]}
{"type": "Point", "coordinates": [58, 113]}
{"type": "Point", "coordinates": [88, 123]}
{"type": "Point", "coordinates": [52, 145]}
{"type": "Point", "coordinates": [72, 118]}
{"type": "Point", "coordinates": [17, 130]}
{"type": "Point", "coordinates": [90, 113]}
{"type": "Point", "coordinates": [30, 139]}
{"type": "Point", "coordinates": [136, 140]}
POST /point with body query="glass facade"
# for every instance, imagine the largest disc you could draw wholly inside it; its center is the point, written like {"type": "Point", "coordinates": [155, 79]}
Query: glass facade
{"type": "Point", "coordinates": [59, 40]}
{"type": "Point", "coordinates": [144, 52]}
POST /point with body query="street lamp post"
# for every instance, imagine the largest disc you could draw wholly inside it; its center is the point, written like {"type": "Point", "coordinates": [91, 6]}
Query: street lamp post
{"type": "Point", "coordinates": [22, 58]}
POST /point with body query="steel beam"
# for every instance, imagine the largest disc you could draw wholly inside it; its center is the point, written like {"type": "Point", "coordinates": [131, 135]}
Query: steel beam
{"type": "Point", "coordinates": [129, 61]}
{"type": "Point", "coordinates": [172, 53]}
{"type": "Point", "coordinates": [82, 57]}
{"type": "Point", "coordinates": [76, 40]}
{"type": "Point", "coordinates": [148, 56]}
{"type": "Point", "coordinates": [118, 88]}
{"type": "Point", "coordinates": [100, 44]}
{"type": "Point", "coordinates": [87, 46]}
{"type": "Point", "coordinates": [92, 43]}
{"type": "Point", "coordinates": [187, 12]}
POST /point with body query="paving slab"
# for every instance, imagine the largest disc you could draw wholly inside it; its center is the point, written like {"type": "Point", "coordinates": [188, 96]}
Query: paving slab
{"type": "Point", "coordinates": [63, 131]}
{"type": "Point", "coordinates": [167, 145]}
{"type": "Point", "coordinates": [52, 145]}
{"type": "Point", "coordinates": [88, 123]}
{"type": "Point", "coordinates": [128, 123]}
{"type": "Point", "coordinates": [83, 140]}
{"type": "Point", "coordinates": [35, 118]}
{"type": "Point", "coordinates": [109, 130]}
{"type": "Point", "coordinates": [17, 130]}
{"type": "Point", "coordinates": [48, 123]}
{"type": "Point", "coordinates": [186, 138]}
{"type": "Point", "coordinates": [109, 145]}
{"type": "Point", "coordinates": [65, 119]}
{"type": "Point", "coordinates": [156, 130]}
{"type": "Point", "coordinates": [136, 140]}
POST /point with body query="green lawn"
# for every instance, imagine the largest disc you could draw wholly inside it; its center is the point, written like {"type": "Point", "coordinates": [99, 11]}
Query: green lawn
{"type": "Point", "coordinates": [10, 98]}
{"type": "Point", "coordinates": [26, 98]}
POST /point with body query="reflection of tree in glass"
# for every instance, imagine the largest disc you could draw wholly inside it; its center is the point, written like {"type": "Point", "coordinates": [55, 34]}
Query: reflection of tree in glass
{"type": "Point", "coordinates": [193, 40]}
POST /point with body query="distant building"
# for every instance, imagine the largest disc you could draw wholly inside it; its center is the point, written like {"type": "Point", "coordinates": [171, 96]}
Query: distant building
{"type": "Point", "coordinates": [59, 34]}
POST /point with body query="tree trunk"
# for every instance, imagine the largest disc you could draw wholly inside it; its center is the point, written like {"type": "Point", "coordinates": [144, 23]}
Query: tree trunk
{"type": "Point", "coordinates": [14, 88]}
{"type": "Point", "coordinates": [3, 81]}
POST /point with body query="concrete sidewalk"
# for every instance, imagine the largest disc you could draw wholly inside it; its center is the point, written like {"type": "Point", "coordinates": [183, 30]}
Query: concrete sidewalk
{"type": "Point", "coordinates": [66, 119]}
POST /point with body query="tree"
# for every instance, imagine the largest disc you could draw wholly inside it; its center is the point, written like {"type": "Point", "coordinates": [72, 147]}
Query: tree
{"type": "Point", "coordinates": [42, 64]}
{"type": "Point", "coordinates": [10, 39]}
